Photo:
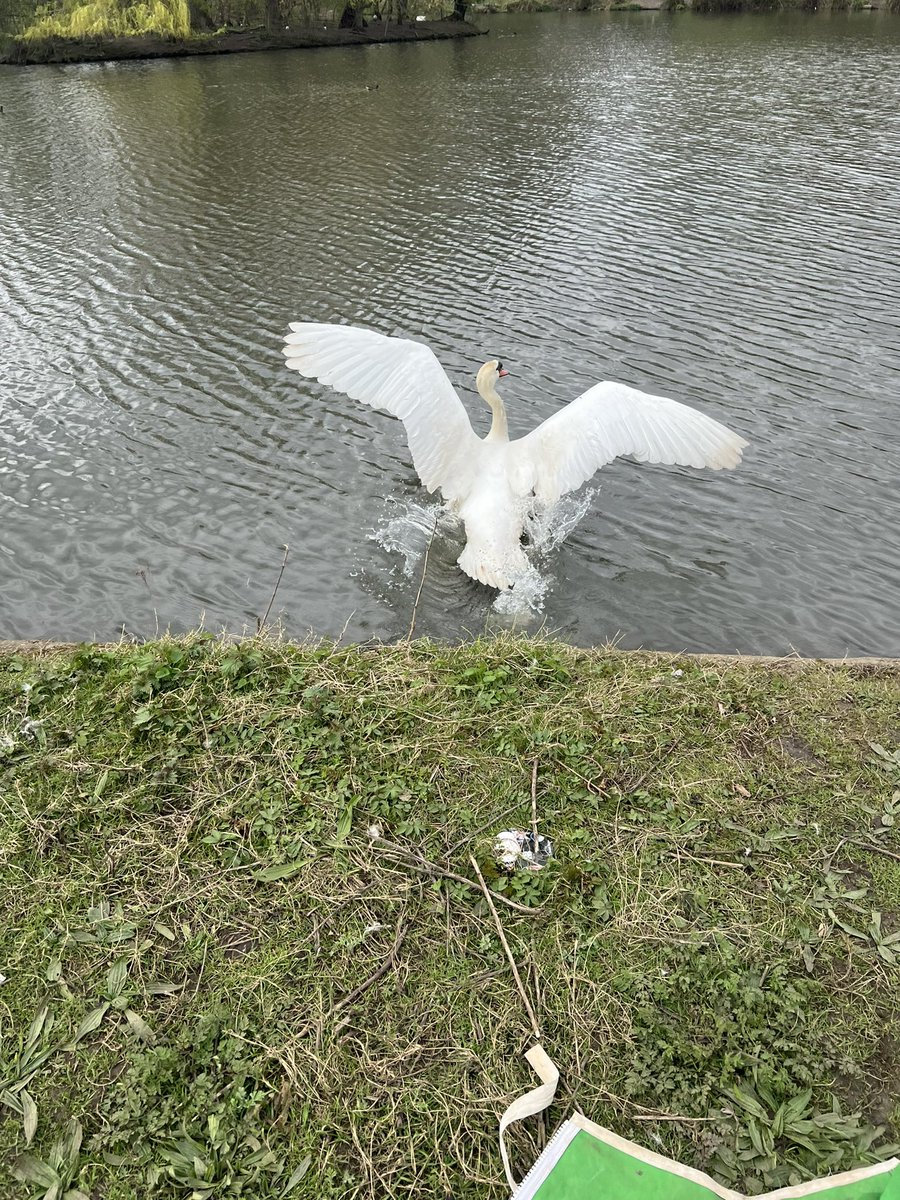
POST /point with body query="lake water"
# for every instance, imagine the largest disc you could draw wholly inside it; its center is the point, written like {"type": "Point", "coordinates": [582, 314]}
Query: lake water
{"type": "Point", "coordinates": [704, 208]}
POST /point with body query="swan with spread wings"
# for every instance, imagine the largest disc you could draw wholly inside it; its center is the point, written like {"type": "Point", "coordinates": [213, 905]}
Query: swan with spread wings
{"type": "Point", "coordinates": [491, 482]}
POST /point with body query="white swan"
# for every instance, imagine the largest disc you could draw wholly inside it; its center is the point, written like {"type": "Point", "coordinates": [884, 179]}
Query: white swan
{"type": "Point", "coordinates": [492, 482]}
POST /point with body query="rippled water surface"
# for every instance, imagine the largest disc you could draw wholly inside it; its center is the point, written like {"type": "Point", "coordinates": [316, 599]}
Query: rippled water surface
{"type": "Point", "coordinates": [702, 208]}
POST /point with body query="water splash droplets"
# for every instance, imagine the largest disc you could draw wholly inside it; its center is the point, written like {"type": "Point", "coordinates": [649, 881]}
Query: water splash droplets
{"type": "Point", "coordinates": [409, 531]}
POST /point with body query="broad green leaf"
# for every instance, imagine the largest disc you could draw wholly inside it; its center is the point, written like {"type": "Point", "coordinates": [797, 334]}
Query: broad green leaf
{"type": "Point", "coordinates": [344, 823]}
{"type": "Point", "coordinates": [281, 871]}
{"type": "Point", "coordinates": [36, 1026]}
{"type": "Point", "coordinates": [124, 933]}
{"type": "Point", "coordinates": [101, 785]}
{"type": "Point", "coordinates": [29, 1116]}
{"type": "Point", "coordinates": [857, 933]}
{"type": "Point", "coordinates": [796, 1107]}
{"type": "Point", "coordinates": [748, 1101]}
{"type": "Point", "coordinates": [65, 1151]}
{"type": "Point", "coordinates": [116, 977]}
{"type": "Point", "coordinates": [141, 1028]}
{"type": "Point", "coordinates": [29, 1169]}
{"type": "Point", "coordinates": [164, 931]}
{"type": "Point", "coordinates": [804, 1142]}
{"type": "Point", "coordinates": [296, 1176]}
{"type": "Point", "coordinates": [91, 1022]}
{"type": "Point", "coordinates": [159, 988]}
{"type": "Point", "coordinates": [261, 1159]}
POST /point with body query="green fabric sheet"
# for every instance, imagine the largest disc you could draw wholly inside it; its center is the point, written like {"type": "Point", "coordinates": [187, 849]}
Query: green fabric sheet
{"type": "Point", "coordinates": [590, 1169]}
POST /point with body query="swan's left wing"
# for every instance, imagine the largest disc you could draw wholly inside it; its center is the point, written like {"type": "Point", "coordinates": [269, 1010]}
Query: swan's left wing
{"type": "Point", "coordinates": [402, 378]}
{"type": "Point", "coordinates": [611, 419]}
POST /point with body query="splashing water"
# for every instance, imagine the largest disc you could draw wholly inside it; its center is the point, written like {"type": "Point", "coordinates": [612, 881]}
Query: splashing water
{"type": "Point", "coordinates": [409, 532]}
{"type": "Point", "coordinates": [548, 525]}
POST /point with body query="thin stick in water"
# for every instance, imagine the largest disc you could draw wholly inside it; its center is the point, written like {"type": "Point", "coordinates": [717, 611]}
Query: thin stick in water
{"type": "Point", "coordinates": [412, 624]}
{"type": "Point", "coordinates": [260, 625]}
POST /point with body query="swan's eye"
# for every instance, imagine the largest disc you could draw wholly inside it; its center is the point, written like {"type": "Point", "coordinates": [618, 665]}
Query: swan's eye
{"type": "Point", "coordinates": [499, 366]}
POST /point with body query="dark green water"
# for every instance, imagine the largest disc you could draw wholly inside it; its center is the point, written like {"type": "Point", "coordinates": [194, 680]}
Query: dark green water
{"type": "Point", "coordinates": [705, 208]}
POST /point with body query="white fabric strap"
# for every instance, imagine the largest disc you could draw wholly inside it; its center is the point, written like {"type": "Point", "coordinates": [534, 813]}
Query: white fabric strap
{"type": "Point", "coordinates": [533, 1102]}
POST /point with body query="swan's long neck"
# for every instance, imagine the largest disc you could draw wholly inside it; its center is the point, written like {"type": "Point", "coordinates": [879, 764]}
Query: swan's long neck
{"type": "Point", "coordinates": [499, 431]}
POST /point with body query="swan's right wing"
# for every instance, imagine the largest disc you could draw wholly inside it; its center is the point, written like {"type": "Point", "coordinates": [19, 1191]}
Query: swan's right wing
{"type": "Point", "coordinates": [402, 378]}
{"type": "Point", "coordinates": [610, 419]}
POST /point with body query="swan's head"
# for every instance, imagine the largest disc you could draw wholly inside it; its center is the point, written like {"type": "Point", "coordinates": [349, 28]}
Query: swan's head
{"type": "Point", "coordinates": [487, 377]}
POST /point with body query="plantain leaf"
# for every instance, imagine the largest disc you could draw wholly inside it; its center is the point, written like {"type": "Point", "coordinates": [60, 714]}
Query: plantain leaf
{"type": "Point", "coordinates": [281, 871]}
{"type": "Point", "coordinates": [344, 824]}
{"type": "Point", "coordinates": [36, 1026]}
{"type": "Point", "coordinates": [141, 1028]}
{"type": "Point", "coordinates": [29, 1169]}
{"type": "Point", "coordinates": [29, 1116]}
{"type": "Point", "coordinates": [159, 988]}
{"type": "Point", "coordinates": [116, 977]}
{"type": "Point", "coordinates": [91, 1022]}
{"type": "Point", "coordinates": [297, 1175]}
{"type": "Point", "coordinates": [796, 1107]}
{"type": "Point", "coordinates": [748, 1101]}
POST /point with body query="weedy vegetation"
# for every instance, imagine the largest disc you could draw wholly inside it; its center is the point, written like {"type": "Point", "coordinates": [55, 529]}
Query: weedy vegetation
{"type": "Point", "coordinates": [245, 952]}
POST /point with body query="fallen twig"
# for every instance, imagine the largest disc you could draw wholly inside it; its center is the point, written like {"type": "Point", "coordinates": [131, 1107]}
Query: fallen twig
{"type": "Point", "coordinates": [534, 831]}
{"type": "Point", "coordinates": [512, 962]}
{"type": "Point", "coordinates": [878, 849]}
{"type": "Point", "coordinates": [491, 824]}
{"type": "Point", "coordinates": [404, 857]}
{"type": "Point", "coordinates": [402, 930]}
{"type": "Point", "coordinates": [642, 779]}
{"type": "Point", "coordinates": [319, 1022]}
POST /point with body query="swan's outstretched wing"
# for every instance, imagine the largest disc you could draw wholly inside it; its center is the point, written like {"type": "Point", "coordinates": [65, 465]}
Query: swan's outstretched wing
{"type": "Point", "coordinates": [611, 419]}
{"type": "Point", "coordinates": [404, 379]}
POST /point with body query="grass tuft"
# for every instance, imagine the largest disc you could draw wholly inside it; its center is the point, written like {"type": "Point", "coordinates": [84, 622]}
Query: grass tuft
{"type": "Point", "coordinates": [246, 951]}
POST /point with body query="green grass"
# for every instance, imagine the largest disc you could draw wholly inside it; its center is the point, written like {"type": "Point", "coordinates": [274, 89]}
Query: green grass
{"type": "Point", "coordinates": [209, 851]}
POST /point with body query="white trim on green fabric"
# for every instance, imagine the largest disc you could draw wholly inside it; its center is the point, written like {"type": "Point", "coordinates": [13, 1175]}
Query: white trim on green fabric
{"type": "Point", "coordinates": [537, 1100]}
{"type": "Point", "coordinates": [717, 1189]}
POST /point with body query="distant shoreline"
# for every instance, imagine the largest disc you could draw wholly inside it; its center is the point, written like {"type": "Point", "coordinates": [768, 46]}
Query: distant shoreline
{"type": "Point", "coordinates": [19, 52]}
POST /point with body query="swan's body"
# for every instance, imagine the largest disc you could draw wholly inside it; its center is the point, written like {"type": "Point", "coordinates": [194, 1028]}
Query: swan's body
{"type": "Point", "coordinates": [492, 482]}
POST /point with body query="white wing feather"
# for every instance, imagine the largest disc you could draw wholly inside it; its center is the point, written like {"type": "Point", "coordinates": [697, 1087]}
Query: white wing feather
{"type": "Point", "coordinates": [611, 419]}
{"type": "Point", "coordinates": [401, 377]}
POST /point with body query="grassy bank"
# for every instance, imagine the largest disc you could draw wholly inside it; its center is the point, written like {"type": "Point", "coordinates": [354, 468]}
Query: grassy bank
{"type": "Point", "coordinates": [33, 50]}
{"type": "Point", "coordinates": [245, 946]}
